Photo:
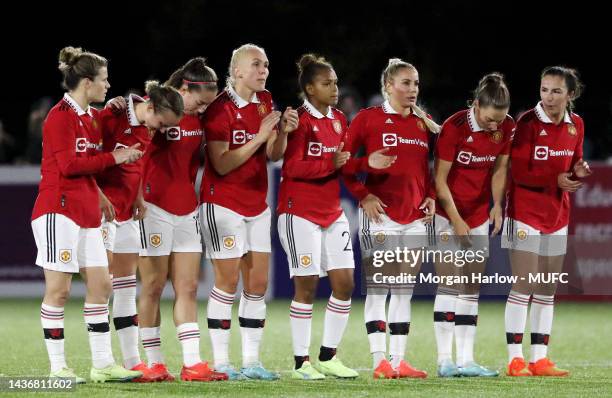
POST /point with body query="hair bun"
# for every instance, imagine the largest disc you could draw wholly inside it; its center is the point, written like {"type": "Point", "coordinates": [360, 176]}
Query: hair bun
{"type": "Point", "coordinates": [68, 56]}
{"type": "Point", "coordinates": [306, 60]}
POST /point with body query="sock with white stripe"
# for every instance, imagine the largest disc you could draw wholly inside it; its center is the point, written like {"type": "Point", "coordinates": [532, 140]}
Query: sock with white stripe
{"type": "Point", "coordinates": [96, 318]}
{"type": "Point", "coordinates": [252, 319]}
{"type": "Point", "coordinates": [466, 319]}
{"type": "Point", "coordinates": [376, 326]}
{"type": "Point", "coordinates": [399, 325]}
{"type": "Point", "coordinates": [219, 312]}
{"type": "Point", "coordinates": [515, 319]}
{"type": "Point", "coordinates": [300, 318]}
{"type": "Point", "coordinates": [541, 318]}
{"type": "Point", "coordinates": [151, 342]}
{"type": "Point", "coordinates": [444, 322]}
{"type": "Point", "coordinates": [125, 319]}
{"type": "Point", "coordinates": [52, 320]}
{"type": "Point", "coordinates": [336, 319]}
{"type": "Point", "coordinates": [189, 336]}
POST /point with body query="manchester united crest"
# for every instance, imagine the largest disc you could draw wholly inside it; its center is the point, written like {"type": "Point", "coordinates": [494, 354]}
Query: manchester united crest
{"type": "Point", "coordinates": [496, 137]}
{"type": "Point", "coordinates": [521, 234]}
{"type": "Point", "coordinates": [229, 242]}
{"type": "Point", "coordinates": [571, 130]}
{"type": "Point", "coordinates": [337, 126]}
{"type": "Point", "coordinates": [155, 240]}
{"type": "Point", "coordinates": [65, 256]}
{"type": "Point", "coordinates": [421, 125]}
{"type": "Point", "coordinates": [262, 109]}
{"type": "Point", "coordinates": [380, 237]}
{"type": "Point", "coordinates": [305, 260]}
{"type": "Point", "coordinates": [445, 236]}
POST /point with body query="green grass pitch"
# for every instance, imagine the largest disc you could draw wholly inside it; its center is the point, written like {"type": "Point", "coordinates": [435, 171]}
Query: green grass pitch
{"type": "Point", "coordinates": [581, 341]}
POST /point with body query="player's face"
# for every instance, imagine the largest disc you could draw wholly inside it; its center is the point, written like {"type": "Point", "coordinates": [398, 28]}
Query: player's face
{"type": "Point", "coordinates": [554, 95]}
{"type": "Point", "coordinates": [196, 101]}
{"type": "Point", "coordinates": [489, 118]}
{"type": "Point", "coordinates": [252, 70]}
{"type": "Point", "coordinates": [324, 88]}
{"type": "Point", "coordinates": [403, 88]}
{"type": "Point", "coordinates": [97, 88]}
{"type": "Point", "coordinates": [159, 120]}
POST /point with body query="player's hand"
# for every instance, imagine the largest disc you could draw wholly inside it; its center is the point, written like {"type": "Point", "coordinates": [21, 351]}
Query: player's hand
{"type": "Point", "coordinates": [462, 232]}
{"type": "Point", "coordinates": [378, 159]}
{"type": "Point", "coordinates": [107, 207]}
{"type": "Point", "coordinates": [139, 209]}
{"type": "Point", "coordinates": [373, 207]}
{"type": "Point", "coordinates": [564, 182]}
{"type": "Point", "coordinates": [429, 208]}
{"type": "Point", "coordinates": [495, 218]}
{"type": "Point", "coordinates": [117, 104]}
{"type": "Point", "coordinates": [582, 169]}
{"type": "Point", "coordinates": [268, 124]}
{"type": "Point", "coordinates": [127, 155]}
{"type": "Point", "coordinates": [289, 121]}
{"type": "Point", "coordinates": [340, 158]}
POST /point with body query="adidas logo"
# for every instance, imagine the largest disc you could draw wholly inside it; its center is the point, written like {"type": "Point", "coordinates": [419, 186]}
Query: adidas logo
{"type": "Point", "coordinates": [238, 116]}
{"type": "Point", "coordinates": [389, 121]}
{"type": "Point", "coordinates": [315, 129]}
{"type": "Point", "coordinates": [543, 133]}
{"type": "Point", "coordinates": [470, 139]}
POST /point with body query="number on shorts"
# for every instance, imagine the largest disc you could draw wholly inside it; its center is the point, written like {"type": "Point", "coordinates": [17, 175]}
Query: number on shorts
{"type": "Point", "coordinates": [347, 248]}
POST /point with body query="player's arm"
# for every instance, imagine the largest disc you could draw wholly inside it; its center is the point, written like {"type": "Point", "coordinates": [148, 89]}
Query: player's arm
{"type": "Point", "coordinates": [277, 143]}
{"type": "Point", "coordinates": [353, 140]}
{"type": "Point", "coordinates": [498, 189]}
{"type": "Point", "coordinates": [297, 166]}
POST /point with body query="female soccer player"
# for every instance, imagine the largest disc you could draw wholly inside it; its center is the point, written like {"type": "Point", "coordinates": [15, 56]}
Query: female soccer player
{"type": "Point", "coordinates": [66, 216]}
{"type": "Point", "coordinates": [125, 208]}
{"type": "Point", "coordinates": [313, 229]}
{"type": "Point", "coordinates": [241, 131]}
{"type": "Point", "coordinates": [546, 165]}
{"type": "Point", "coordinates": [471, 165]}
{"type": "Point", "coordinates": [171, 230]}
{"type": "Point", "coordinates": [393, 205]}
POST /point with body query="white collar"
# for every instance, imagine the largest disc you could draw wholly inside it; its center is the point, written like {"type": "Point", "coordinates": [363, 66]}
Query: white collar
{"type": "Point", "coordinates": [131, 111]}
{"type": "Point", "coordinates": [76, 107]}
{"type": "Point", "coordinates": [314, 112]}
{"type": "Point", "coordinates": [539, 110]}
{"type": "Point", "coordinates": [474, 126]}
{"type": "Point", "coordinates": [387, 108]}
{"type": "Point", "coordinates": [237, 100]}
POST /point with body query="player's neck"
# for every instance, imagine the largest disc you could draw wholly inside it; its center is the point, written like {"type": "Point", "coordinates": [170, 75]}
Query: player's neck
{"type": "Point", "coordinates": [140, 109]}
{"type": "Point", "coordinates": [400, 109]}
{"type": "Point", "coordinates": [80, 98]}
{"type": "Point", "coordinates": [322, 108]}
{"type": "Point", "coordinates": [244, 92]}
{"type": "Point", "coordinates": [556, 119]}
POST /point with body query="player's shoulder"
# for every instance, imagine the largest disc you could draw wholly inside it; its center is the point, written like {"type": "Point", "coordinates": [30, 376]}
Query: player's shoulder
{"type": "Point", "coordinates": [338, 114]}
{"type": "Point", "coordinates": [62, 111]}
{"type": "Point", "coordinates": [576, 119]}
{"type": "Point", "coordinates": [508, 125]}
{"type": "Point", "coordinates": [457, 120]}
{"type": "Point", "coordinates": [264, 95]}
{"type": "Point", "coordinates": [528, 116]}
{"type": "Point", "coordinates": [370, 112]}
{"type": "Point", "coordinates": [221, 101]}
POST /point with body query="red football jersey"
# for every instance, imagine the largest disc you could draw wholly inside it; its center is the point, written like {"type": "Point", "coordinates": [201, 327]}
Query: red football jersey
{"type": "Point", "coordinates": [310, 186]}
{"type": "Point", "coordinates": [403, 186]}
{"type": "Point", "coordinates": [121, 129]}
{"type": "Point", "coordinates": [540, 152]}
{"type": "Point", "coordinates": [473, 152]}
{"type": "Point", "coordinates": [235, 121]}
{"type": "Point", "coordinates": [172, 165]}
{"type": "Point", "coordinates": [71, 156]}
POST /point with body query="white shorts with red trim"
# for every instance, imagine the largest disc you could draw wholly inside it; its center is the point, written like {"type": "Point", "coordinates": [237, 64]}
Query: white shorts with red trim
{"type": "Point", "coordinates": [313, 250]}
{"type": "Point", "coordinates": [228, 234]}
{"type": "Point", "coordinates": [65, 247]}
{"type": "Point", "coordinates": [166, 233]}
{"type": "Point", "coordinates": [517, 235]}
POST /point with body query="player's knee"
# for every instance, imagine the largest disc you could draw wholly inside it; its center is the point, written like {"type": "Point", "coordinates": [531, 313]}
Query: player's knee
{"type": "Point", "coordinates": [344, 290]}
{"type": "Point", "coordinates": [257, 285]}
{"type": "Point", "coordinates": [305, 295]}
{"type": "Point", "coordinates": [57, 296]}
{"type": "Point", "coordinates": [152, 290]}
{"type": "Point", "coordinates": [227, 283]}
{"type": "Point", "coordinates": [187, 288]}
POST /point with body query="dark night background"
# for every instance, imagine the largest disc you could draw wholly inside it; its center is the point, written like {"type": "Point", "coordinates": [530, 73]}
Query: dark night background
{"type": "Point", "coordinates": [451, 43]}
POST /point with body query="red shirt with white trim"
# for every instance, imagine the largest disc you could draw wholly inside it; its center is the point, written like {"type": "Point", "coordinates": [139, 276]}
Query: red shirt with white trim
{"type": "Point", "coordinates": [172, 165]}
{"type": "Point", "coordinates": [121, 129]}
{"type": "Point", "coordinates": [233, 120]}
{"type": "Point", "coordinates": [472, 152]}
{"type": "Point", "coordinates": [310, 186]}
{"type": "Point", "coordinates": [540, 152]}
{"type": "Point", "coordinates": [404, 185]}
{"type": "Point", "coordinates": [71, 156]}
